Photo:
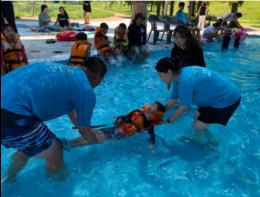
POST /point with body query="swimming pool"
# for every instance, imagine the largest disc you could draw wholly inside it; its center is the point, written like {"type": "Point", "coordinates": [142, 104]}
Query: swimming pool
{"type": "Point", "coordinates": [130, 168]}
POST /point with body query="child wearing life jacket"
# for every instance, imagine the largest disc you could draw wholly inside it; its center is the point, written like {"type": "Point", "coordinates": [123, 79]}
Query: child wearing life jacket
{"type": "Point", "coordinates": [134, 122]}
{"type": "Point", "coordinates": [80, 51]}
{"type": "Point", "coordinates": [101, 41]}
{"type": "Point", "coordinates": [12, 50]}
{"type": "Point", "coordinates": [120, 38]}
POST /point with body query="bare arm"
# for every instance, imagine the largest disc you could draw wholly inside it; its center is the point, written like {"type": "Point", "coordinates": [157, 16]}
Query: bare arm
{"type": "Point", "coordinates": [169, 104]}
{"type": "Point", "coordinates": [180, 110]}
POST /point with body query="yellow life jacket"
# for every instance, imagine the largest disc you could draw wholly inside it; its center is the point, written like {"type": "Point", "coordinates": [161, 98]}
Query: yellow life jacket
{"type": "Point", "coordinates": [13, 54]}
{"type": "Point", "coordinates": [78, 52]}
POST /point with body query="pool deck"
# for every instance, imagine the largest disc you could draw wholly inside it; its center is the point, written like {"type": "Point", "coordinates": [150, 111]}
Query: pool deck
{"type": "Point", "coordinates": [37, 49]}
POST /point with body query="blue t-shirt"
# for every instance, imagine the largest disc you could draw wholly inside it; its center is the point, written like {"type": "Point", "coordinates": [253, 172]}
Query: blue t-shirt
{"type": "Point", "coordinates": [203, 87]}
{"type": "Point", "coordinates": [48, 90]}
{"type": "Point", "coordinates": [181, 17]}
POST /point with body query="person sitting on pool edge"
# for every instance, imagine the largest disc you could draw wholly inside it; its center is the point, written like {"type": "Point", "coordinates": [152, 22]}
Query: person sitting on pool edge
{"type": "Point", "coordinates": [80, 51]}
{"type": "Point", "coordinates": [120, 38]}
{"type": "Point", "coordinates": [12, 50]}
{"type": "Point", "coordinates": [125, 126]}
{"type": "Point", "coordinates": [101, 42]}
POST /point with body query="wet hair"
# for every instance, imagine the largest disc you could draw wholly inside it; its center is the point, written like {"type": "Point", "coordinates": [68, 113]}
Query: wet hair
{"type": "Point", "coordinates": [185, 32]}
{"type": "Point", "coordinates": [182, 4]}
{"type": "Point", "coordinates": [43, 6]}
{"type": "Point", "coordinates": [239, 14]}
{"type": "Point", "coordinates": [123, 26]}
{"type": "Point", "coordinates": [81, 36]}
{"type": "Point", "coordinates": [104, 26]}
{"type": "Point", "coordinates": [167, 63]}
{"type": "Point", "coordinates": [65, 13]}
{"type": "Point", "coordinates": [160, 106]}
{"type": "Point", "coordinates": [96, 65]}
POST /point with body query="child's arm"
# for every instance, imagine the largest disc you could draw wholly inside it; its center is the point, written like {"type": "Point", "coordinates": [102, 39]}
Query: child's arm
{"type": "Point", "coordinates": [152, 135]}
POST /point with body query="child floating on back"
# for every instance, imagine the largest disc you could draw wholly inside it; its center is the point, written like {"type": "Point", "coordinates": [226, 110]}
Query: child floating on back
{"type": "Point", "coordinates": [12, 50]}
{"type": "Point", "coordinates": [80, 51]}
{"type": "Point", "coordinates": [125, 126]}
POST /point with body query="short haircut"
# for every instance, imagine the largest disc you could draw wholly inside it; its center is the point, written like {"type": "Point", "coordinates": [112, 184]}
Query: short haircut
{"type": "Point", "coordinates": [161, 107]}
{"type": "Point", "coordinates": [123, 26]}
{"type": "Point", "coordinates": [104, 26]}
{"type": "Point", "coordinates": [43, 6]}
{"type": "Point", "coordinates": [81, 36]}
{"type": "Point", "coordinates": [96, 65]}
{"type": "Point", "coordinates": [239, 14]}
{"type": "Point", "coordinates": [167, 63]}
{"type": "Point", "coordinates": [182, 4]}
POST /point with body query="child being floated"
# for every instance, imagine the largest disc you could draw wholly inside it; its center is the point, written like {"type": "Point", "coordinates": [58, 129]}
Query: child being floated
{"type": "Point", "coordinates": [12, 50]}
{"type": "Point", "coordinates": [125, 126]}
{"type": "Point", "coordinates": [101, 42]}
{"type": "Point", "coordinates": [80, 51]}
{"type": "Point", "coordinates": [120, 38]}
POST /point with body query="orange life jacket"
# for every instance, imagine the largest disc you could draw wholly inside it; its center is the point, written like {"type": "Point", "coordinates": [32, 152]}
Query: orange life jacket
{"type": "Point", "coordinates": [78, 52]}
{"type": "Point", "coordinates": [13, 54]}
{"type": "Point", "coordinates": [101, 41]}
{"type": "Point", "coordinates": [141, 119]}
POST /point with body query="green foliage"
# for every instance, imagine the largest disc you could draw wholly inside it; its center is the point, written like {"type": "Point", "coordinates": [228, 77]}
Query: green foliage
{"type": "Point", "coordinates": [101, 9]}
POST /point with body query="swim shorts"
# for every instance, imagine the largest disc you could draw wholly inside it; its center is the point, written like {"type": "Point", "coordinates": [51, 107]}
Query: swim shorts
{"type": "Point", "coordinates": [26, 134]}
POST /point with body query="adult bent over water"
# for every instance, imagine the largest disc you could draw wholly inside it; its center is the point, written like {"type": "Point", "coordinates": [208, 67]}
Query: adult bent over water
{"type": "Point", "coordinates": [216, 97]}
{"type": "Point", "coordinates": [40, 92]}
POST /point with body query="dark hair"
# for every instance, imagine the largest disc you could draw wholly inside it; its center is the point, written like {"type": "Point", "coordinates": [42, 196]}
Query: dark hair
{"type": "Point", "coordinates": [4, 26]}
{"type": "Point", "coordinates": [137, 16]}
{"type": "Point", "coordinates": [104, 25]}
{"type": "Point", "coordinates": [167, 63]}
{"type": "Point", "coordinates": [123, 26]}
{"type": "Point", "coordinates": [239, 14]}
{"type": "Point", "coordinates": [224, 23]}
{"type": "Point", "coordinates": [182, 4]}
{"type": "Point", "coordinates": [81, 36]}
{"type": "Point", "coordinates": [190, 40]}
{"type": "Point", "coordinates": [161, 107]}
{"type": "Point", "coordinates": [65, 13]}
{"type": "Point", "coordinates": [95, 65]}
{"type": "Point", "coordinates": [43, 6]}
{"type": "Point", "coordinates": [218, 24]}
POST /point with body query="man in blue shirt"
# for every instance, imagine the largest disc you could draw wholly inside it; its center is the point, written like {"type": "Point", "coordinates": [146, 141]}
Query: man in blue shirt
{"type": "Point", "coordinates": [181, 17]}
{"type": "Point", "coordinates": [40, 92]}
{"type": "Point", "coordinates": [216, 97]}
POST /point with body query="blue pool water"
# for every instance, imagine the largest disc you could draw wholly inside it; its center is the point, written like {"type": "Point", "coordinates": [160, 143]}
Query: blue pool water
{"type": "Point", "coordinates": [130, 168]}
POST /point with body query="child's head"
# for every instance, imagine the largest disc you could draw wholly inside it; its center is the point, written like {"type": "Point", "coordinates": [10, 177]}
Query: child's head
{"type": "Point", "coordinates": [104, 27]}
{"type": "Point", "coordinates": [81, 36]}
{"type": "Point", "coordinates": [44, 8]}
{"type": "Point", "coordinates": [122, 27]}
{"type": "Point", "coordinates": [239, 14]}
{"type": "Point", "coordinates": [224, 24]}
{"type": "Point", "coordinates": [8, 31]}
{"type": "Point", "coordinates": [157, 106]}
{"type": "Point", "coordinates": [181, 6]}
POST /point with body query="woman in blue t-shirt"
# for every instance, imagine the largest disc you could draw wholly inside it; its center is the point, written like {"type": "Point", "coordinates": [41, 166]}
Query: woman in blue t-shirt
{"type": "Point", "coordinates": [216, 97]}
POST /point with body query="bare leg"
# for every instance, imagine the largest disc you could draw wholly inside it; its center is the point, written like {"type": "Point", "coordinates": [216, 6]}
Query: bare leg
{"type": "Point", "coordinates": [19, 160]}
